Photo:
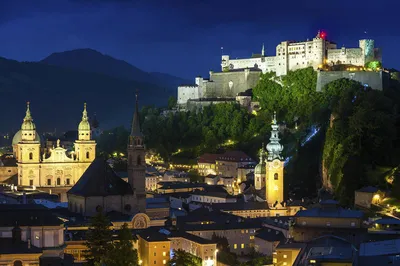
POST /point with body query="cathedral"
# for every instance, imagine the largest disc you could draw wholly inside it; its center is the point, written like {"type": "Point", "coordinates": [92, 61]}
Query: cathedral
{"type": "Point", "coordinates": [101, 190]}
{"type": "Point", "coordinates": [55, 171]}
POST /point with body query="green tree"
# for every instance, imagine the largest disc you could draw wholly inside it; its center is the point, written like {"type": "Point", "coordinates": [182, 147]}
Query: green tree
{"type": "Point", "coordinates": [183, 258]}
{"type": "Point", "coordinates": [98, 240]}
{"type": "Point", "coordinates": [123, 252]}
{"type": "Point", "coordinates": [171, 102]}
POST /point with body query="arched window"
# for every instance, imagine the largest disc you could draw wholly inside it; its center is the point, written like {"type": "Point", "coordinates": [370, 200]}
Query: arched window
{"type": "Point", "coordinates": [87, 155]}
{"type": "Point", "coordinates": [17, 263]}
{"type": "Point", "coordinates": [30, 156]}
{"type": "Point", "coordinates": [139, 160]}
{"type": "Point", "coordinates": [276, 176]}
{"type": "Point", "coordinates": [58, 181]}
{"type": "Point", "coordinates": [49, 182]}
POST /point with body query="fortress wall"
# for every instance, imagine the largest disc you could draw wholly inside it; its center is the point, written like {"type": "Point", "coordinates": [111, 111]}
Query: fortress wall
{"type": "Point", "coordinates": [373, 79]}
{"type": "Point", "coordinates": [229, 84]}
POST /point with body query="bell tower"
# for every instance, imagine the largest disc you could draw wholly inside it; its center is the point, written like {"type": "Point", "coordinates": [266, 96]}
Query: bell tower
{"type": "Point", "coordinates": [274, 167]}
{"type": "Point", "coordinates": [85, 147]}
{"type": "Point", "coordinates": [28, 150]}
{"type": "Point", "coordinates": [136, 160]}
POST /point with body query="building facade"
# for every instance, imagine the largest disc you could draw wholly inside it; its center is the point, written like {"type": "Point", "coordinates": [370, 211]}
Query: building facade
{"type": "Point", "coordinates": [56, 171]}
{"type": "Point", "coordinates": [291, 55]}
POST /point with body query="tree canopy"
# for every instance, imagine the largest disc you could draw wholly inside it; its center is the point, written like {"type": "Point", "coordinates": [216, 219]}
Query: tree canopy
{"type": "Point", "coordinates": [183, 258]}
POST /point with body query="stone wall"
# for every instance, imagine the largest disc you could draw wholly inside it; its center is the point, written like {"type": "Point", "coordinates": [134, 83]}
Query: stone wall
{"type": "Point", "coordinates": [373, 79]}
{"type": "Point", "coordinates": [7, 171]}
{"type": "Point", "coordinates": [194, 105]}
{"type": "Point", "coordinates": [229, 84]}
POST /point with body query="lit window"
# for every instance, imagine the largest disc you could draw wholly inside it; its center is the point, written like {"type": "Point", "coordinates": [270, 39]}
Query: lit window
{"type": "Point", "coordinates": [234, 246]}
{"type": "Point", "coordinates": [242, 246]}
{"type": "Point", "coordinates": [164, 253]}
{"type": "Point", "coordinates": [251, 237]}
{"type": "Point", "coordinates": [285, 256]}
{"type": "Point", "coordinates": [353, 224]}
{"type": "Point", "coordinates": [164, 262]}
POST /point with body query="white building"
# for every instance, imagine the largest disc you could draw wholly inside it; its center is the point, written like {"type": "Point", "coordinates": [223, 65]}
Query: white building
{"type": "Point", "coordinates": [291, 55]}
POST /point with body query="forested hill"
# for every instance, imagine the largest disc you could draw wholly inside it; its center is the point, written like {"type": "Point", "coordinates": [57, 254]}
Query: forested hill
{"type": "Point", "coordinates": [362, 137]}
{"type": "Point", "coordinates": [57, 95]}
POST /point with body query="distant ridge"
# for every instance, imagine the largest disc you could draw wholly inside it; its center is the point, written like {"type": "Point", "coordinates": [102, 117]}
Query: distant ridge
{"type": "Point", "coordinates": [93, 61]}
{"type": "Point", "coordinates": [57, 95]}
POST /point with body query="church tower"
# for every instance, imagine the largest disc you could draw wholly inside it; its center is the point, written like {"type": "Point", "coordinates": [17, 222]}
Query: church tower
{"type": "Point", "coordinates": [85, 147]}
{"type": "Point", "coordinates": [136, 161]}
{"type": "Point", "coordinates": [28, 152]}
{"type": "Point", "coordinates": [274, 167]}
{"type": "Point", "coordinates": [259, 171]}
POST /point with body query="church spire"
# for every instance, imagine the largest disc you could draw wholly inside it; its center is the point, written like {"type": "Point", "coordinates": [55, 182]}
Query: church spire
{"type": "Point", "coordinates": [274, 148]}
{"type": "Point", "coordinates": [28, 116]}
{"type": "Point", "coordinates": [135, 130]}
{"type": "Point", "coordinates": [263, 50]}
{"type": "Point", "coordinates": [262, 151]}
{"type": "Point", "coordinates": [84, 113]}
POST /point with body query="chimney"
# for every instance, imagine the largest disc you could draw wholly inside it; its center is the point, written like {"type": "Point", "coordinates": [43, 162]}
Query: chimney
{"type": "Point", "coordinates": [16, 234]}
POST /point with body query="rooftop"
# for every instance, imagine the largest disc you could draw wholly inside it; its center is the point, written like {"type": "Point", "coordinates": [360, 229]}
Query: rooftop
{"type": "Point", "coordinates": [100, 180]}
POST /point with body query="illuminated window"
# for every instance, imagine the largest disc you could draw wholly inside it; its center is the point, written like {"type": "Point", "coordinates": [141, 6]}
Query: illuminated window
{"type": "Point", "coordinates": [164, 253]}
{"type": "Point", "coordinates": [242, 246]}
{"type": "Point", "coordinates": [164, 262]}
{"type": "Point", "coordinates": [234, 246]}
{"type": "Point", "coordinates": [285, 256]}
{"type": "Point", "coordinates": [251, 237]}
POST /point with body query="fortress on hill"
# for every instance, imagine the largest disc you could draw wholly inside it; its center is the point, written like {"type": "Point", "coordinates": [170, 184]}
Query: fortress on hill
{"type": "Point", "coordinates": [240, 75]}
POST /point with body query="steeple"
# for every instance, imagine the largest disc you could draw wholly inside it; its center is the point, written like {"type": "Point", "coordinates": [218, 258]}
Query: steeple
{"type": "Point", "coordinates": [135, 130]}
{"type": "Point", "coordinates": [262, 151]}
{"type": "Point", "coordinates": [263, 50]}
{"type": "Point", "coordinates": [84, 126]}
{"type": "Point", "coordinates": [274, 148]}
{"type": "Point", "coordinates": [28, 116]}
{"type": "Point", "coordinates": [28, 128]}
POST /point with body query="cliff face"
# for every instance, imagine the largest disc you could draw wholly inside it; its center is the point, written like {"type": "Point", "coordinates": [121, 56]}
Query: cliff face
{"type": "Point", "coordinates": [326, 183]}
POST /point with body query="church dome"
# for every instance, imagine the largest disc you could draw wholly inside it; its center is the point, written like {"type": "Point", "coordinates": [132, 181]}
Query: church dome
{"type": "Point", "coordinates": [28, 125]}
{"type": "Point", "coordinates": [260, 169]}
{"type": "Point", "coordinates": [18, 137]}
{"type": "Point", "coordinates": [84, 126]}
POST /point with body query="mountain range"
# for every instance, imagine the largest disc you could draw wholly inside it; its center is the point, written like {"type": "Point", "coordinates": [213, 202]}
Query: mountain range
{"type": "Point", "coordinates": [58, 85]}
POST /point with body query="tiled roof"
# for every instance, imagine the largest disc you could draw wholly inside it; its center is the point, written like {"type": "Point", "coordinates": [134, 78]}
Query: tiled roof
{"type": "Point", "coordinates": [234, 156]}
{"type": "Point", "coordinates": [100, 180]}
{"type": "Point", "coordinates": [330, 212]}
{"type": "Point", "coordinates": [152, 235]}
{"type": "Point", "coordinates": [368, 189]}
{"type": "Point", "coordinates": [8, 247]}
{"type": "Point", "coordinates": [270, 235]}
{"type": "Point", "coordinates": [236, 206]}
{"type": "Point", "coordinates": [208, 158]}
{"type": "Point", "coordinates": [27, 215]}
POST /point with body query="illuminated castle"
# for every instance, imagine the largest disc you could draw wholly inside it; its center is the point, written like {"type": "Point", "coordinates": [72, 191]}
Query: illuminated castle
{"type": "Point", "coordinates": [291, 55]}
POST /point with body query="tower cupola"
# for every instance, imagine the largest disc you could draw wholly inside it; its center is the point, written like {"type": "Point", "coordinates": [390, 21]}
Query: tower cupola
{"type": "Point", "coordinates": [84, 126]}
{"type": "Point", "coordinates": [274, 148]}
{"type": "Point", "coordinates": [28, 128]}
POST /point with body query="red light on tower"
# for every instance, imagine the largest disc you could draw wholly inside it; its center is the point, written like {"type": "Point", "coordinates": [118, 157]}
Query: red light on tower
{"type": "Point", "coordinates": [323, 35]}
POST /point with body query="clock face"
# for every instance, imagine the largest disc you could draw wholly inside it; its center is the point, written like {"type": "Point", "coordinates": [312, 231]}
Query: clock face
{"type": "Point", "coordinates": [276, 164]}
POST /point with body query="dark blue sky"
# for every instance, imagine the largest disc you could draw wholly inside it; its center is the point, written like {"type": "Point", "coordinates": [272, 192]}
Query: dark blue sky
{"type": "Point", "coordinates": [184, 37]}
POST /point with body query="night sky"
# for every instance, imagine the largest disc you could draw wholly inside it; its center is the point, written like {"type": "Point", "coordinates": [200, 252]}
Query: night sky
{"type": "Point", "coordinates": [184, 37]}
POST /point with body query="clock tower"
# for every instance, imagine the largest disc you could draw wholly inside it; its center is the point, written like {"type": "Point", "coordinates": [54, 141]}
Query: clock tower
{"type": "Point", "coordinates": [274, 167]}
